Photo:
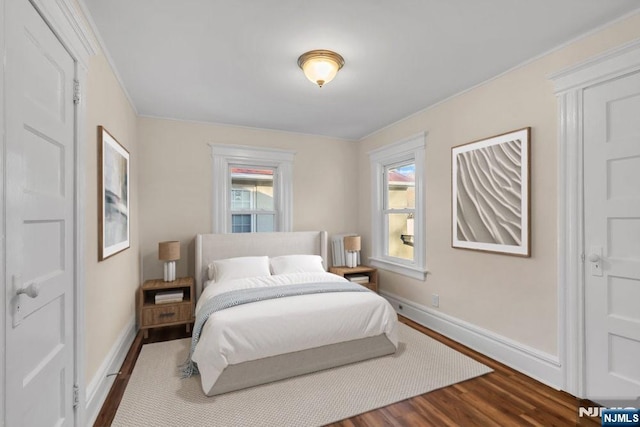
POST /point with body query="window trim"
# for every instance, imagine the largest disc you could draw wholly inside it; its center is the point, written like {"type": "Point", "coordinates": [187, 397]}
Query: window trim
{"type": "Point", "coordinates": [411, 149]}
{"type": "Point", "coordinates": [224, 156]}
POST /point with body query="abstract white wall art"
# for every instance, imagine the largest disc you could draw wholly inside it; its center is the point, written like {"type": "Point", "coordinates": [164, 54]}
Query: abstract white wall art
{"type": "Point", "coordinates": [491, 200]}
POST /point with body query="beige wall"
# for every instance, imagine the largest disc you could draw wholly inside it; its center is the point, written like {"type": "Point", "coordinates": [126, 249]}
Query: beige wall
{"type": "Point", "coordinates": [510, 296]}
{"type": "Point", "coordinates": [110, 284]}
{"type": "Point", "coordinates": [175, 181]}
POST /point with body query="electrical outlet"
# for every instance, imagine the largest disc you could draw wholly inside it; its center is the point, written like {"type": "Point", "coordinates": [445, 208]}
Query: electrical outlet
{"type": "Point", "coordinates": [435, 300]}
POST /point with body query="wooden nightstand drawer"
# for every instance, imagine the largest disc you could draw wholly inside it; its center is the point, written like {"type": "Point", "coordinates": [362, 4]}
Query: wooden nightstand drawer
{"type": "Point", "coordinates": [169, 313]}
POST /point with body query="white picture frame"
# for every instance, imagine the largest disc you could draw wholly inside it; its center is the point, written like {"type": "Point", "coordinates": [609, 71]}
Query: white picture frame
{"type": "Point", "coordinates": [490, 181]}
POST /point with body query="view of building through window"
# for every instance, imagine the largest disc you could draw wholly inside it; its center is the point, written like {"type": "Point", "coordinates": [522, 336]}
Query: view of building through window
{"type": "Point", "coordinates": [400, 206]}
{"type": "Point", "coordinates": [252, 200]}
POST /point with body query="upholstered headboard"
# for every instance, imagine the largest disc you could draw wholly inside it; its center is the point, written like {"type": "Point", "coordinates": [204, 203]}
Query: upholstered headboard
{"type": "Point", "coordinates": [211, 247]}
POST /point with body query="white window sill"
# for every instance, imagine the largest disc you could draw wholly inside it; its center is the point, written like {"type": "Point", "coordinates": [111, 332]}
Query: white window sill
{"type": "Point", "coordinates": [405, 270]}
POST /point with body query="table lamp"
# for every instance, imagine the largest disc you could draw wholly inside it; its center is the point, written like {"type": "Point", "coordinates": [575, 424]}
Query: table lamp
{"type": "Point", "coordinates": [352, 246]}
{"type": "Point", "coordinates": [407, 239]}
{"type": "Point", "coordinates": [169, 252]}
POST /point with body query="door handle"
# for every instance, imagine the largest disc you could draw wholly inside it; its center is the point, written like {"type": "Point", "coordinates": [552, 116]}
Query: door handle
{"type": "Point", "coordinates": [595, 258]}
{"type": "Point", "coordinates": [32, 290]}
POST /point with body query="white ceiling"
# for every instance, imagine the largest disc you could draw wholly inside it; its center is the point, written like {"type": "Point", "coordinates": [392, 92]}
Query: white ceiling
{"type": "Point", "coordinates": [234, 62]}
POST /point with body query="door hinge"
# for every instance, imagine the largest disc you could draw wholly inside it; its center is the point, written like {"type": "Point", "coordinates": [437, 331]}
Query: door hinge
{"type": "Point", "coordinates": [582, 257]}
{"type": "Point", "coordinates": [76, 91]}
{"type": "Point", "coordinates": [76, 396]}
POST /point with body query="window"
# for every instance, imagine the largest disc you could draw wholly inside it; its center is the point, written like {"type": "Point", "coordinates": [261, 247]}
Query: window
{"type": "Point", "coordinates": [398, 238]}
{"type": "Point", "coordinates": [241, 223]}
{"type": "Point", "coordinates": [399, 208]}
{"type": "Point", "coordinates": [252, 199]}
{"type": "Point", "coordinates": [252, 189]}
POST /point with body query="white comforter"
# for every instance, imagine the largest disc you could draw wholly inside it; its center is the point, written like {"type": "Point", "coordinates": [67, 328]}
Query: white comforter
{"type": "Point", "coordinates": [268, 328]}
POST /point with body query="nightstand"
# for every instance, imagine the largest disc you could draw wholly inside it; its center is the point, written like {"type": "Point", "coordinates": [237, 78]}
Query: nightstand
{"type": "Point", "coordinates": [361, 270]}
{"type": "Point", "coordinates": [158, 308]}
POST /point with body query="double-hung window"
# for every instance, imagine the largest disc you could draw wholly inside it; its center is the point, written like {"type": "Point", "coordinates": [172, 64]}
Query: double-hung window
{"type": "Point", "coordinates": [398, 235]}
{"type": "Point", "coordinates": [252, 203]}
{"type": "Point", "coordinates": [252, 189]}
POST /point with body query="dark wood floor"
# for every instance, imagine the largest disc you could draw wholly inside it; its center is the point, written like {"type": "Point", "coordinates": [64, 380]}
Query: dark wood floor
{"type": "Point", "coordinates": [502, 398]}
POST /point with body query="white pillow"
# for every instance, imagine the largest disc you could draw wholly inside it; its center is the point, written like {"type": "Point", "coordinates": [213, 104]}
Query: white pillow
{"type": "Point", "coordinates": [239, 268]}
{"type": "Point", "coordinates": [297, 264]}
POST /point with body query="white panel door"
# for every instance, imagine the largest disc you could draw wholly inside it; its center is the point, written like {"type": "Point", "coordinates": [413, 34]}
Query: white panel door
{"type": "Point", "coordinates": [612, 238]}
{"type": "Point", "coordinates": [39, 222]}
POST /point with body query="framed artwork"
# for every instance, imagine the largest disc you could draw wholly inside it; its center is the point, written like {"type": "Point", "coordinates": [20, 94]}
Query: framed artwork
{"type": "Point", "coordinates": [113, 196]}
{"type": "Point", "coordinates": [490, 182]}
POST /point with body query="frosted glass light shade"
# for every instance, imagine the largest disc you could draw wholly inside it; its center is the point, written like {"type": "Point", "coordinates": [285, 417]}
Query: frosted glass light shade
{"type": "Point", "coordinates": [320, 66]}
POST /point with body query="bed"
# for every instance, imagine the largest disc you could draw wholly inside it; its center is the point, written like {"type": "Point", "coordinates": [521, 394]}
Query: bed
{"type": "Point", "coordinates": [269, 340]}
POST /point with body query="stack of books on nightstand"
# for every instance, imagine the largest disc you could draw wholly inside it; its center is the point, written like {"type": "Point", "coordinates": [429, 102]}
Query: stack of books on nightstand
{"type": "Point", "coordinates": [176, 295]}
{"type": "Point", "coordinates": [360, 279]}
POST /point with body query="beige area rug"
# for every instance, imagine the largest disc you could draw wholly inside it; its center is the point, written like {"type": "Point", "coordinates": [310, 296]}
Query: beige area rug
{"type": "Point", "coordinates": [156, 396]}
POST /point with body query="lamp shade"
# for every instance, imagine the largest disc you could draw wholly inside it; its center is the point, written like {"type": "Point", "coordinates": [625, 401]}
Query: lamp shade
{"type": "Point", "coordinates": [320, 66]}
{"type": "Point", "coordinates": [352, 243]}
{"type": "Point", "coordinates": [410, 226]}
{"type": "Point", "coordinates": [169, 251]}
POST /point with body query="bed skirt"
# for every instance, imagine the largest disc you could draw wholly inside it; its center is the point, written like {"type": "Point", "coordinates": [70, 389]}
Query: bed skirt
{"type": "Point", "coordinates": [275, 368]}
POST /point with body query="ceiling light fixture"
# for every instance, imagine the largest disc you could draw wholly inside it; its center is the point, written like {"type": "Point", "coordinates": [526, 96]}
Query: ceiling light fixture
{"type": "Point", "coordinates": [320, 66]}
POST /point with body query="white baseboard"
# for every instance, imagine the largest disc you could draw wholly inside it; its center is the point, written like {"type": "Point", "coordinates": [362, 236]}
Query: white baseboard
{"type": "Point", "coordinates": [539, 365]}
{"type": "Point", "coordinates": [100, 384]}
